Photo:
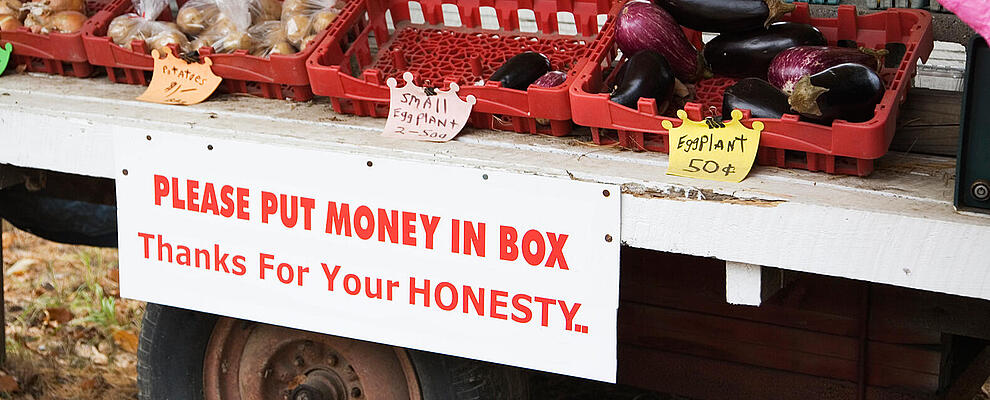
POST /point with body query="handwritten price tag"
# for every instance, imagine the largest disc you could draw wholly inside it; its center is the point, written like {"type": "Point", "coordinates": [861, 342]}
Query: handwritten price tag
{"type": "Point", "coordinates": [711, 149]}
{"type": "Point", "coordinates": [5, 56]}
{"type": "Point", "coordinates": [175, 81]}
{"type": "Point", "coordinates": [425, 113]}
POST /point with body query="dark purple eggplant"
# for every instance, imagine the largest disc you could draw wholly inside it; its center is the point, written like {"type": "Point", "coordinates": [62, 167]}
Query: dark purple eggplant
{"type": "Point", "coordinates": [726, 15]}
{"type": "Point", "coordinates": [756, 95]}
{"type": "Point", "coordinates": [551, 79]}
{"type": "Point", "coordinates": [793, 63]}
{"type": "Point", "coordinates": [642, 25]}
{"type": "Point", "coordinates": [749, 54]}
{"type": "Point", "coordinates": [846, 91]}
{"type": "Point", "coordinates": [646, 74]}
{"type": "Point", "coordinates": [521, 70]}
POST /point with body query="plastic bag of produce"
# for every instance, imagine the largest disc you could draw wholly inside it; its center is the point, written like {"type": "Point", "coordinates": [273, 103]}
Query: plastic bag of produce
{"type": "Point", "coordinates": [303, 19]}
{"type": "Point", "coordinates": [224, 24]}
{"type": "Point", "coordinates": [269, 38]}
{"type": "Point", "coordinates": [142, 25]}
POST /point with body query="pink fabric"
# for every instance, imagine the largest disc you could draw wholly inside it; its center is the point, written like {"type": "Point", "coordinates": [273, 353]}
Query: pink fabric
{"type": "Point", "coordinates": [975, 13]}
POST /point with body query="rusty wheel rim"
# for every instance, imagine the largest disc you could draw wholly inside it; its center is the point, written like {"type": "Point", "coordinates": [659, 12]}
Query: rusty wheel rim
{"type": "Point", "coordinates": [252, 361]}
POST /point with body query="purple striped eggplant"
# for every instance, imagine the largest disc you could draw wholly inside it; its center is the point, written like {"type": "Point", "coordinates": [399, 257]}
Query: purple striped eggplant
{"type": "Point", "coordinates": [726, 15]}
{"type": "Point", "coordinates": [642, 25]}
{"type": "Point", "coordinates": [756, 95]}
{"type": "Point", "coordinates": [646, 74]}
{"type": "Point", "coordinates": [792, 64]}
{"type": "Point", "coordinates": [749, 54]}
{"type": "Point", "coordinates": [846, 91]}
{"type": "Point", "coordinates": [551, 79]}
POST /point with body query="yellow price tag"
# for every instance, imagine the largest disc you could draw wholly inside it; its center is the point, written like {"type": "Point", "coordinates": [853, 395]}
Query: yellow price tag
{"type": "Point", "coordinates": [711, 149]}
{"type": "Point", "coordinates": [175, 81]}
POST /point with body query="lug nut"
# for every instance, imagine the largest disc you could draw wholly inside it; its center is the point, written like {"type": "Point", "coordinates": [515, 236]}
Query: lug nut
{"type": "Point", "coordinates": [356, 392]}
{"type": "Point", "coordinates": [332, 360]}
{"type": "Point", "coordinates": [980, 190]}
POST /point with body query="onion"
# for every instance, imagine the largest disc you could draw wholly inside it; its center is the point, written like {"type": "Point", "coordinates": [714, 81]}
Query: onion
{"type": "Point", "coordinates": [67, 5]}
{"type": "Point", "coordinates": [642, 25]}
{"type": "Point", "coordinates": [12, 7]}
{"type": "Point", "coordinates": [9, 23]}
{"type": "Point", "coordinates": [66, 21]}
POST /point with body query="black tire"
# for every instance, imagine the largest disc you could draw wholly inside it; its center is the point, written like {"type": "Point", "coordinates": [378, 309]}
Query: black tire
{"type": "Point", "coordinates": [170, 353]}
{"type": "Point", "coordinates": [173, 346]}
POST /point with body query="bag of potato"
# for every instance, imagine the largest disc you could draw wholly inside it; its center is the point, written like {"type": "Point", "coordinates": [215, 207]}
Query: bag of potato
{"type": "Point", "coordinates": [143, 25]}
{"type": "Point", "coordinates": [269, 38]}
{"type": "Point", "coordinates": [224, 24]}
{"type": "Point", "coordinates": [304, 19]}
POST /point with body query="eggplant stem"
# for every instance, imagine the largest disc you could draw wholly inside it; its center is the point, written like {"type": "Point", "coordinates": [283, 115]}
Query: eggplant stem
{"type": "Point", "coordinates": [804, 99]}
{"type": "Point", "coordinates": [777, 9]}
{"type": "Point", "coordinates": [880, 55]}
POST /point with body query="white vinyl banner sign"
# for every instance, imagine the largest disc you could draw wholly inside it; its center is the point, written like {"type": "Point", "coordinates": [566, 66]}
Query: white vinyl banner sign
{"type": "Point", "coordinates": [509, 268]}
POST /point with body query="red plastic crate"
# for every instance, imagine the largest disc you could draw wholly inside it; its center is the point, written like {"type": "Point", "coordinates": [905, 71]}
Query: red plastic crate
{"type": "Point", "coordinates": [53, 53]}
{"type": "Point", "coordinates": [352, 64]}
{"type": "Point", "coordinates": [843, 148]}
{"type": "Point", "coordinates": [275, 77]}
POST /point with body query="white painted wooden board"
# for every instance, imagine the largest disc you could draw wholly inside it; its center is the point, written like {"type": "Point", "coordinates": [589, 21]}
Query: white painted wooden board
{"type": "Point", "coordinates": [897, 226]}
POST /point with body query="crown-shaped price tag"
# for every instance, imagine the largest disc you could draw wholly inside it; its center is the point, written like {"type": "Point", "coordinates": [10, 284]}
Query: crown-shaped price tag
{"type": "Point", "coordinates": [176, 81]}
{"type": "Point", "coordinates": [5, 56]}
{"type": "Point", "coordinates": [425, 113]}
{"type": "Point", "coordinates": [712, 149]}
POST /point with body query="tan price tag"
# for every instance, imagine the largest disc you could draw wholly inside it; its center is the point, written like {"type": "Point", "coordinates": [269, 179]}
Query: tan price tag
{"type": "Point", "coordinates": [425, 113]}
{"type": "Point", "coordinates": [712, 150]}
{"type": "Point", "coordinates": [175, 81]}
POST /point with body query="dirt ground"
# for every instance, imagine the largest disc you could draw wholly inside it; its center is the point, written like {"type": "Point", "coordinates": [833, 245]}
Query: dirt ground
{"type": "Point", "coordinates": [69, 334]}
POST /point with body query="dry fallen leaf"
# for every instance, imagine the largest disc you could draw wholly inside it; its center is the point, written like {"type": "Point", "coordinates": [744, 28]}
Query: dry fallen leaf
{"type": "Point", "coordinates": [89, 351]}
{"type": "Point", "coordinates": [7, 239]}
{"type": "Point", "coordinates": [56, 316]}
{"type": "Point", "coordinates": [8, 384]}
{"type": "Point", "coordinates": [21, 266]}
{"type": "Point", "coordinates": [114, 275]}
{"type": "Point", "coordinates": [92, 383]}
{"type": "Point", "coordinates": [126, 340]}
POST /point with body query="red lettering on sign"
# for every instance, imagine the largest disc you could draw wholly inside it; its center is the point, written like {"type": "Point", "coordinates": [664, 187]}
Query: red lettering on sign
{"type": "Point", "coordinates": [161, 189]}
{"type": "Point", "coordinates": [408, 229]}
{"type": "Point", "coordinates": [530, 238]}
{"type": "Point", "coordinates": [337, 220]}
{"type": "Point", "coordinates": [388, 226]}
{"type": "Point", "coordinates": [556, 256]}
{"type": "Point", "coordinates": [507, 243]}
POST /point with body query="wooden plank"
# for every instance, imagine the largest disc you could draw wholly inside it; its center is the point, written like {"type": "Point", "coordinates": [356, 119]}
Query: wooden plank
{"type": "Point", "coordinates": [772, 346]}
{"type": "Point", "coordinates": [898, 309]}
{"type": "Point", "coordinates": [701, 378]}
{"type": "Point", "coordinates": [929, 123]}
{"type": "Point", "coordinates": [969, 384]}
{"type": "Point", "coordinates": [775, 218]}
{"type": "Point", "coordinates": [739, 341]}
{"type": "Point", "coordinates": [688, 283]}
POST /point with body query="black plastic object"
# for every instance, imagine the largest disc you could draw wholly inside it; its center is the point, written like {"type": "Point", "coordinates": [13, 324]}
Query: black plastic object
{"type": "Point", "coordinates": [973, 162]}
{"type": "Point", "coordinates": [58, 219]}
